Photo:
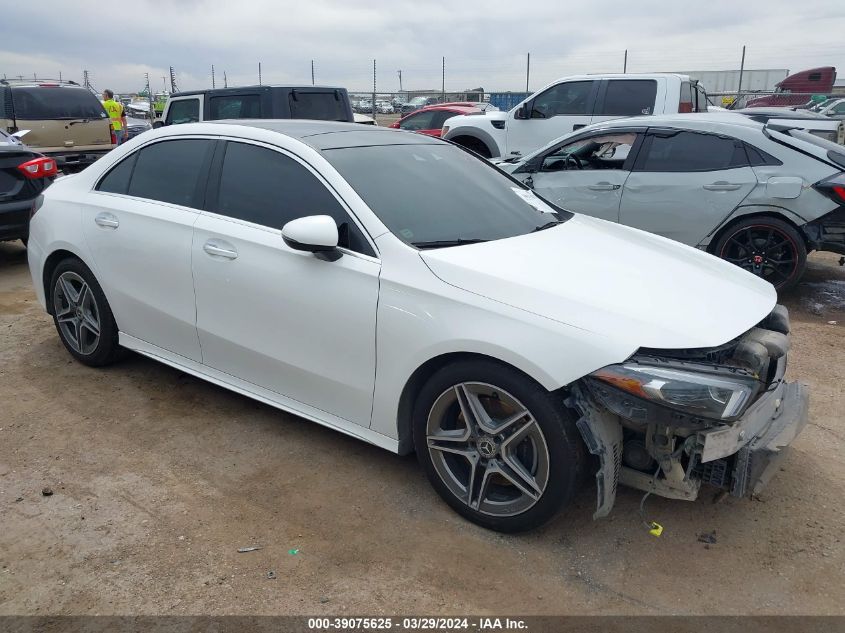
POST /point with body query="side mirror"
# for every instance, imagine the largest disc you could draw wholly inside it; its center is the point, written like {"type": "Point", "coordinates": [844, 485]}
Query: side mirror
{"type": "Point", "coordinates": [522, 112]}
{"type": "Point", "coordinates": [313, 233]}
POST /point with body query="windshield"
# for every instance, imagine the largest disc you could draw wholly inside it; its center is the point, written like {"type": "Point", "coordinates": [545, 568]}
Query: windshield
{"type": "Point", "coordinates": [440, 195]}
{"type": "Point", "coordinates": [39, 103]}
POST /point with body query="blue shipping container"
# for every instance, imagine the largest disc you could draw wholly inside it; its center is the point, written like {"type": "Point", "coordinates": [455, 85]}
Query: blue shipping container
{"type": "Point", "coordinates": [507, 100]}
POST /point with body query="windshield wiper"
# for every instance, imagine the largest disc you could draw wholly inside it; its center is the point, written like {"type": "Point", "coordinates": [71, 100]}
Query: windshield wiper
{"type": "Point", "coordinates": [445, 243]}
{"type": "Point", "coordinates": [547, 225]}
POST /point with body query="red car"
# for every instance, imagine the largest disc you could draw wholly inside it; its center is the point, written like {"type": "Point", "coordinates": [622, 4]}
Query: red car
{"type": "Point", "coordinates": [429, 120]}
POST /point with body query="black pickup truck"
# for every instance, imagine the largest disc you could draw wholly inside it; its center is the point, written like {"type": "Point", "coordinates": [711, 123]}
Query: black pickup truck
{"type": "Point", "coordinates": [258, 102]}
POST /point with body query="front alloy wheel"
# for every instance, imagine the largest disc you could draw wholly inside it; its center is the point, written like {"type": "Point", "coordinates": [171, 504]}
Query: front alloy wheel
{"type": "Point", "coordinates": [487, 449]}
{"type": "Point", "coordinates": [500, 449]}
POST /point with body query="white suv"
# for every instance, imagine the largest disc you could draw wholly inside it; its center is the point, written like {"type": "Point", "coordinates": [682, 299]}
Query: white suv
{"type": "Point", "coordinates": [572, 103]}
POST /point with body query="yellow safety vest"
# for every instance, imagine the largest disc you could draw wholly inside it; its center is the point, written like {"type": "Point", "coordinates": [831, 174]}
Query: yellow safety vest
{"type": "Point", "coordinates": [115, 111]}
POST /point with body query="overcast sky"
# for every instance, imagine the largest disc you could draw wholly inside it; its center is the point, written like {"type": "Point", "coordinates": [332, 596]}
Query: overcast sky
{"type": "Point", "coordinates": [485, 42]}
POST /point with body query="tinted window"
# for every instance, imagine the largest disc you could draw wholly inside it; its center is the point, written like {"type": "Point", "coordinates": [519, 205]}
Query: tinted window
{"type": "Point", "coordinates": [631, 97]}
{"type": "Point", "coordinates": [169, 171]}
{"type": "Point", "coordinates": [117, 180]}
{"type": "Point", "coordinates": [758, 158]}
{"type": "Point", "coordinates": [183, 111]}
{"type": "Point", "coordinates": [56, 103]}
{"type": "Point", "coordinates": [691, 151]}
{"type": "Point", "coordinates": [418, 121]}
{"type": "Point", "coordinates": [263, 186]}
{"type": "Point", "coordinates": [323, 106]}
{"type": "Point", "coordinates": [235, 107]}
{"type": "Point", "coordinates": [431, 192]}
{"type": "Point", "coordinates": [572, 97]}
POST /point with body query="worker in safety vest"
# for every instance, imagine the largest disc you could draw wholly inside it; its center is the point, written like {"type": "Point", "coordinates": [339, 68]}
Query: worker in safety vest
{"type": "Point", "coordinates": [117, 115]}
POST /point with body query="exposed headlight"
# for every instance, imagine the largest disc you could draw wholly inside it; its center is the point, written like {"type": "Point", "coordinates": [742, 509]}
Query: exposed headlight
{"type": "Point", "coordinates": [696, 393]}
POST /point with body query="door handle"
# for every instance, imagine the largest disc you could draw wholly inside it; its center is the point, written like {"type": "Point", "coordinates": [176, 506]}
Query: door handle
{"type": "Point", "coordinates": [603, 186]}
{"type": "Point", "coordinates": [723, 186]}
{"type": "Point", "coordinates": [106, 220]}
{"type": "Point", "coordinates": [216, 248]}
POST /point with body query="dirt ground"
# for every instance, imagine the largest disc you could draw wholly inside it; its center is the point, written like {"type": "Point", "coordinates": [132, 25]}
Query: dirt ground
{"type": "Point", "coordinates": [158, 478]}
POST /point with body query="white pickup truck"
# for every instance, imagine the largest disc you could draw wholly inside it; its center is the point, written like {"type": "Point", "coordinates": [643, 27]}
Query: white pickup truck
{"type": "Point", "coordinates": [572, 103]}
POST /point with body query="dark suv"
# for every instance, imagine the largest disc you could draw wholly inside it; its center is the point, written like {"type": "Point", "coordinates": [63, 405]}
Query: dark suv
{"type": "Point", "coordinates": [259, 102]}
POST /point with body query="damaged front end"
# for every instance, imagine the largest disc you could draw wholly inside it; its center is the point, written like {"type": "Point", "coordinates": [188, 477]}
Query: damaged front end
{"type": "Point", "coordinates": [668, 421]}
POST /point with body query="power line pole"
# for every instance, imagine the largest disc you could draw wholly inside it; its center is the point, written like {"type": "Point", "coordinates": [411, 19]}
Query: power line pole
{"type": "Point", "coordinates": [625, 62]}
{"type": "Point", "coordinates": [400, 80]}
{"type": "Point", "coordinates": [259, 73]}
{"type": "Point", "coordinates": [149, 91]}
{"type": "Point", "coordinates": [212, 77]}
{"type": "Point", "coordinates": [312, 72]}
{"type": "Point", "coordinates": [527, 70]}
{"type": "Point", "coordinates": [741, 69]}
{"type": "Point", "coordinates": [374, 90]}
{"type": "Point", "coordinates": [173, 81]}
{"type": "Point", "coordinates": [443, 82]}
{"type": "Point", "coordinates": [225, 81]}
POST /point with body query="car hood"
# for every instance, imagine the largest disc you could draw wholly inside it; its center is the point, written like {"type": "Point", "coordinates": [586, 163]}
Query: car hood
{"type": "Point", "coordinates": [634, 287]}
{"type": "Point", "coordinates": [480, 117]}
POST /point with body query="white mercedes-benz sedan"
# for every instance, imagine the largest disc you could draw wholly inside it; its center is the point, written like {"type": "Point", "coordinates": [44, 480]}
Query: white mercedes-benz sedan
{"type": "Point", "coordinates": [399, 289]}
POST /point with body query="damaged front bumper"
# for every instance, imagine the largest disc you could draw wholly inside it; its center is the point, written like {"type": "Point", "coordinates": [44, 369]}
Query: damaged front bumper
{"type": "Point", "coordinates": [672, 454]}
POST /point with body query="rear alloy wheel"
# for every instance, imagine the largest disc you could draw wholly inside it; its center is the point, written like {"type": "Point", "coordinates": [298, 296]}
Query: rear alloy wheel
{"type": "Point", "coordinates": [82, 314]}
{"type": "Point", "coordinates": [498, 448]}
{"type": "Point", "coordinates": [768, 247]}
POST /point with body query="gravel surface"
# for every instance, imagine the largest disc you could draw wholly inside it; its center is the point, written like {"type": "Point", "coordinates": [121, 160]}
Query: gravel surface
{"type": "Point", "coordinates": [158, 479]}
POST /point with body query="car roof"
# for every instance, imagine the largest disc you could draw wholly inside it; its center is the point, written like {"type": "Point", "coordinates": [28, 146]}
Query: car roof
{"type": "Point", "coordinates": [327, 134]}
{"type": "Point", "coordinates": [232, 89]}
{"type": "Point", "coordinates": [699, 120]}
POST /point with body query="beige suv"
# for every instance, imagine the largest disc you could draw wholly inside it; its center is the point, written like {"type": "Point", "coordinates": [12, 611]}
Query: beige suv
{"type": "Point", "coordinates": [63, 120]}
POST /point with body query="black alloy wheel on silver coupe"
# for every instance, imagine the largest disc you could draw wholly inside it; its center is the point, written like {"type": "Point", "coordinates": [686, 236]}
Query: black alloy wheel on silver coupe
{"type": "Point", "coordinates": [768, 247]}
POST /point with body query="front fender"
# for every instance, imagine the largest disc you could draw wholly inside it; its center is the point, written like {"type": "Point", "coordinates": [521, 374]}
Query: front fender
{"type": "Point", "coordinates": [420, 318]}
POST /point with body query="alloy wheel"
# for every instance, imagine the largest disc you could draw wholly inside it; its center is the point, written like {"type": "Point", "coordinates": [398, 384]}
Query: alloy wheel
{"type": "Point", "coordinates": [763, 250]}
{"type": "Point", "coordinates": [76, 311]}
{"type": "Point", "coordinates": [488, 449]}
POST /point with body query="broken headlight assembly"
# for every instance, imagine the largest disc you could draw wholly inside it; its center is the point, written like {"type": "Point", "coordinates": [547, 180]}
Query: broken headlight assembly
{"type": "Point", "coordinates": [713, 394]}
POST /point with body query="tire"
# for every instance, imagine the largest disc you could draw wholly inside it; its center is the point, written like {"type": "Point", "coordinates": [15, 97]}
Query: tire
{"type": "Point", "coordinates": [766, 246]}
{"type": "Point", "coordinates": [474, 144]}
{"type": "Point", "coordinates": [484, 475]}
{"type": "Point", "coordinates": [78, 305]}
